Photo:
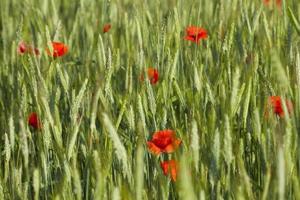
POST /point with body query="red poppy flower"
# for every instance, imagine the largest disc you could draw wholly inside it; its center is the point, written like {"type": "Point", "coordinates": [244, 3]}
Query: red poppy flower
{"type": "Point", "coordinates": [59, 49]}
{"type": "Point", "coordinates": [194, 34]}
{"type": "Point", "coordinates": [106, 28]}
{"type": "Point", "coordinates": [275, 102]}
{"type": "Point", "coordinates": [25, 48]}
{"type": "Point", "coordinates": [278, 3]}
{"type": "Point", "coordinates": [22, 47]}
{"type": "Point", "coordinates": [170, 167]}
{"type": "Point", "coordinates": [153, 75]}
{"type": "Point", "coordinates": [163, 141]}
{"type": "Point", "coordinates": [34, 121]}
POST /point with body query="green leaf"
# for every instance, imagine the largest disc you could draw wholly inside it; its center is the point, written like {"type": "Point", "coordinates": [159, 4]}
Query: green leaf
{"type": "Point", "coordinates": [294, 20]}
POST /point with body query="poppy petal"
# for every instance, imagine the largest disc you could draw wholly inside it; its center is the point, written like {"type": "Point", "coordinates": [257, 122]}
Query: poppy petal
{"type": "Point", "coordinates": [191, 38]}
{"type": "Point", "coordinates": [153, 148]}
{"type": "Point", "coordinates": [106, 28]}
{"type": "Point", "coordinates": [164, 134]}
{"type": "Point", "coordinates": [170, 167]}
{"type": "Point", "coordinates": [59, 49]}
{"type": "Point", "coordinates": [172, 147]}
{"type": "Point", "coordinates": [164, 166]}
{"type": "Point", "coordinates": [174, 173]}
{"type": "Point", "coordinates": [202, 34]}
{"type": "Point", "coordinates": [275, 104]}
{"type": "Point", "coordinates": [163, 141]}
{"type": "Point", "coordinates": [195, 34]}
{"type": "Point", "coordinates": [169, 149]}
{"type": "Point", "coordinates": [22, 47]}
{"type": "Point", "coordinates": [152, 74]}
{"type": "Point", "coordinates": [34, 121]}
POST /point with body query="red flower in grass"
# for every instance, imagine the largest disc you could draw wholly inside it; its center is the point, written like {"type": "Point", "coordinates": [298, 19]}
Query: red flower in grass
{"type": "Point", "coordinates": [170, 167]}
{"type": "Point", "coordinates": [34, 121]}
{"type": "Point", "coordinates": [278, 3]}
{"type": "Point", "coordinates": [22, 47]}
{"type": "Point", "coordinates": [275, 102]}
{"type": "Point", "coordinates": [59, 49]}
{"type": "Point", "coordinates": [25, 48]}
{"type": "Point", "coordinates": [106, 28]}
{"type": "Point", "coordinates": [163, 141]}
{"type": "Point", "coordinates": [152, 75]}
{"type": "Point", "coordinates": [195, 34]}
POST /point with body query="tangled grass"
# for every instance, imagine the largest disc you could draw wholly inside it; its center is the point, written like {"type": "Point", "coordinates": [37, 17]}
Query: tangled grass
{"type": "Point", "coordinates": [97, 115]}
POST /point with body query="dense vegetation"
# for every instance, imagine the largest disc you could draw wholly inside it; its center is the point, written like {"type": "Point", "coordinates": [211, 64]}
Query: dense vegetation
{"type": "Point", "coordinates": [75, 125]}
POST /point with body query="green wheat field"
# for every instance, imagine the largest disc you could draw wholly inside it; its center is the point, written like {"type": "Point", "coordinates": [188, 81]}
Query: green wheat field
{"type": "Point", "coordinates": [97, 110]}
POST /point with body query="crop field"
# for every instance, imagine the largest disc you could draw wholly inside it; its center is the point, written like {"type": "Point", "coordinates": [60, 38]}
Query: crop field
{"type": "Point", "coordinates": [149, 99]}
